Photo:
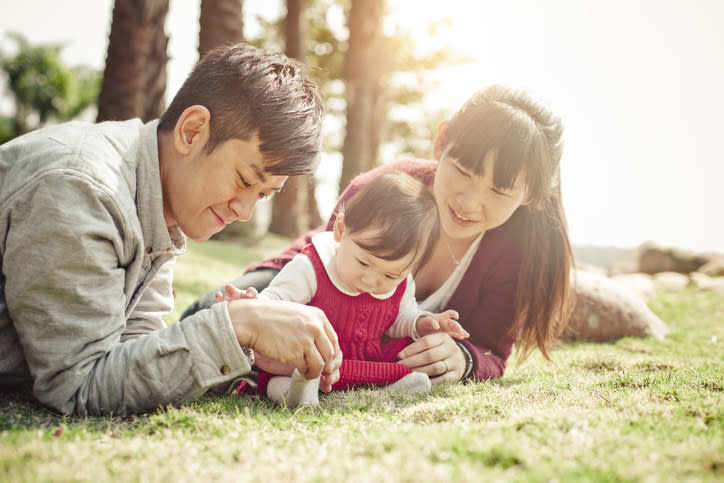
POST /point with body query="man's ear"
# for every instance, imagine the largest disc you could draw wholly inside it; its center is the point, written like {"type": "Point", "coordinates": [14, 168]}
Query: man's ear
{"type": "Point", "coordinates": [338, 227]}
{"type": "Point", "coordinates": [192, 129]}
{"type": "Point", "coordinates": [440, 140]}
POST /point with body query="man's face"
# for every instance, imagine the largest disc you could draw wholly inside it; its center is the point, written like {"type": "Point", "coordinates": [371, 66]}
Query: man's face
{"type": "Point", "coordinates": [204, 192]}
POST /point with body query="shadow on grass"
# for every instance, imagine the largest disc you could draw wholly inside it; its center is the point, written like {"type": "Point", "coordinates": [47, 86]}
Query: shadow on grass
{"type": "Point", "coordinates": [20, 410]}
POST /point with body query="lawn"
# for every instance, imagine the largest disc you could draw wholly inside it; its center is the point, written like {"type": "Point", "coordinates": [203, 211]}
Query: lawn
{"type": "Point", "coordinates": [631, 410]}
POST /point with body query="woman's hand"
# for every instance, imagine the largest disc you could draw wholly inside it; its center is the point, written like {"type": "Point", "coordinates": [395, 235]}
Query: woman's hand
{"type": "Point", "coordinates": [437, 355]}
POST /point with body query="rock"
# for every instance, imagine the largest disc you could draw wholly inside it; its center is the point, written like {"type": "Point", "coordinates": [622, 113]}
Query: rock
{"type": "Point", "coordinates": [655, 259]}
{"type": "Point", "coordinates": [628, 264]}
{"type": "Point", "coordinates": [641, 284]}
{"type": "Point", "coordinates": [703, 281]}
{"type": "Point", "coordinates": [606, 309]}
{"type": "Point", "coordinates": [700, 280]}
{"type": "Point", "coordinates": [670, 280]}
{"type": "Point", "coordinates": [714, 267]}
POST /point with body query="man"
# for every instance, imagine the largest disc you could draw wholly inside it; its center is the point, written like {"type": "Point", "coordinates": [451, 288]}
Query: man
{"type": "Point", "coordinates": [92, 218]}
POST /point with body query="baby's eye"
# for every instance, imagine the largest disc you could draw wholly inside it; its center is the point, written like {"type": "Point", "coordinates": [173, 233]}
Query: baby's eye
{"type": "Point", "coordinates": [362, 263]}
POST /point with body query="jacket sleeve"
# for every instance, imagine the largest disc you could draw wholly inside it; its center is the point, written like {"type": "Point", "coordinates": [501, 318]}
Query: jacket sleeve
{"type": "Point", "coordinates": [156, 301]}
{"type": "Point", "coordinates": [65, 260]}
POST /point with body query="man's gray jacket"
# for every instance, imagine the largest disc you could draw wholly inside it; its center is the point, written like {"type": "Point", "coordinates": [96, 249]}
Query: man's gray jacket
{"type": "Point", "coordinates": [86, 262]}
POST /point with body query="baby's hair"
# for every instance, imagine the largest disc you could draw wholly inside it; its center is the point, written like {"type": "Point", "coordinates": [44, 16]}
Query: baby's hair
{"type": "Point", "coordinates": [403, 211]}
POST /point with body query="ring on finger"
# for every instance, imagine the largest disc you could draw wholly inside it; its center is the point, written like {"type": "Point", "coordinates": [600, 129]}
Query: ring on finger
{"type": "Point", "coordinates": [447, 368]}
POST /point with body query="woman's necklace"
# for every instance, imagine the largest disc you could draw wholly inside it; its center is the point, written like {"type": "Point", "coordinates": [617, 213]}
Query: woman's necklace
{"type": "Point", "coordinates": [452, 255]}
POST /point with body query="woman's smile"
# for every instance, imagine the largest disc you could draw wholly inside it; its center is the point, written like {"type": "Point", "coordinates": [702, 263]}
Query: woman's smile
{"type": "Point", "coordinates": [460, 219]}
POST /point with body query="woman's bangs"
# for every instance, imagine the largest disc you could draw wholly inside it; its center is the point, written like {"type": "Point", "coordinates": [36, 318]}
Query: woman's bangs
{"type": "Point", "coordinates": [496, 131]}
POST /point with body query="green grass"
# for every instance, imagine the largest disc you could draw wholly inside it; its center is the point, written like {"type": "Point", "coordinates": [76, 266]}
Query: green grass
{"type": "Point", "coordinates": [206, 266]}
{"type": "Point", "coordinates": [632, 410]}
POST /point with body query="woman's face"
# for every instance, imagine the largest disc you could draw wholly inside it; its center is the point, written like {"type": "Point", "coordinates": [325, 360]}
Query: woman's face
{"type": "Point", "coordinates": [470, 204]}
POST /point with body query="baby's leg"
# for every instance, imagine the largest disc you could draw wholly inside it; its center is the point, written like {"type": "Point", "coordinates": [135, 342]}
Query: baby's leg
{"type": "Point", "coordinates": [293, 391]}
{"type": "Point", "coordinates": [390, 375]}
{"type": "Point", "coordinates": [413, 382]}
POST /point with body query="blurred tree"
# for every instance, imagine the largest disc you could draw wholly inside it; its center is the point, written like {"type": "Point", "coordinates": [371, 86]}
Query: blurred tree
{"type": "Point", "coordinates": [366, 66]}
{"type": "Point", "coordinates": [43, 89]}
{"type": "Point", "coordinates": [294, 209]}
{"type": "Point", "coordinates": [134, 81]}
{"type": "Point", "coordinates": [221, 22]}
{"type": "Point", "coordinates": [404, 124]}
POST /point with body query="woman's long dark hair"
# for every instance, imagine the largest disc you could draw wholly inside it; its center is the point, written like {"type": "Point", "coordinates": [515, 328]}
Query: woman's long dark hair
{"type": "Point", "coordinates": [526, 137]}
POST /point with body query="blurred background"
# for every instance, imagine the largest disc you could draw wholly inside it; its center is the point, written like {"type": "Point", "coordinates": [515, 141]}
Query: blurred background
{"type": "Point", "coordinates": [637, 83]}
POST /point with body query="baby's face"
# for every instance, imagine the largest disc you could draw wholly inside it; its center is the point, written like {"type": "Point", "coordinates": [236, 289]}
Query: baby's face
{"type": "Point", "coordinates": [360, 271]}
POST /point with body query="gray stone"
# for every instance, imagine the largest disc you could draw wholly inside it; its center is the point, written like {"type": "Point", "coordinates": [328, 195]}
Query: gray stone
{"type": "Point", "coordinates": [606, 309]}
{"type": "Point", "coordinates": [641, 284]}
{"type": "Point", "coordinates": [670, 281]}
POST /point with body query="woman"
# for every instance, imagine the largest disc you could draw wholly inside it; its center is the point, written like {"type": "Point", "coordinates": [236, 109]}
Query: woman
{"type": "Point", "coordinates": [503, 259]}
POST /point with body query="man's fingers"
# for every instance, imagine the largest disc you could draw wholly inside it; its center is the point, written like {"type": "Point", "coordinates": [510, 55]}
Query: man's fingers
{"type": "Point", "coordinates": [333, 354]}
{"type": "Point", "coordinates": [314, 363]}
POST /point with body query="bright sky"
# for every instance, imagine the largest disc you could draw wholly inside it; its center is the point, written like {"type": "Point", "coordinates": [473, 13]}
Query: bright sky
{"type": "Point", "coordinates": [638, 84]}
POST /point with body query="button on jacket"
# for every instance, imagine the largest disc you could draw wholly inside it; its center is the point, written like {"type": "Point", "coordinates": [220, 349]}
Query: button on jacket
{"type": "Point", "coordinates": [86, 261]}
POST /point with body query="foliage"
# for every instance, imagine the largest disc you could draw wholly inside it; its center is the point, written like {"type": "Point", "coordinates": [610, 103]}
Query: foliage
{"type": "Point", "coordinates": [630, 410]}
{"type": "Point", "coordinates": [43, 88]}
{"type": "Point", "coordinates": [408, 79]}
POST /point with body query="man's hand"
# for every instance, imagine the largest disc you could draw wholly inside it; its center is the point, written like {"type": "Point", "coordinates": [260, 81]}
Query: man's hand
{"type": "Point", "coordinates": [289, 333]}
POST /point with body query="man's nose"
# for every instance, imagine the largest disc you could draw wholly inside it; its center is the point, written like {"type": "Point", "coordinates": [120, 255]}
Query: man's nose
{"type": "Point", "coordinates": [242, 208]}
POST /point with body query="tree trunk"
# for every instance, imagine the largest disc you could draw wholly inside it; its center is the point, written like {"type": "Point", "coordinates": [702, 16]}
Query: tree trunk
{"type": "Point", "coordinates": [221, 22]}
{"type": "Point", "coordinates": [295, 210]}
{"type": "Point", "coordinates": [155, 103]}
{"type": "Point", "coordinates": [365, 65]}
{"type": "Point", "coordinates": [134, 81]}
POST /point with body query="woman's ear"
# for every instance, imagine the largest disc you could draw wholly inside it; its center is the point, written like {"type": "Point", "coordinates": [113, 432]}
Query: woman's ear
{"type": "Point", "coordinates": [192, 129]}
{"type": "Point", "coordinates": [338, 227]}
{"type": "Point", "coordinates": [440, 140]}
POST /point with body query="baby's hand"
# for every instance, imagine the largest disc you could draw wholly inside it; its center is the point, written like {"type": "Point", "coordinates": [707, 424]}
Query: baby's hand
{"type": "Point", "coordinates": [444, 322]}
{"type": "Point", "coordinates": [233, 293]}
